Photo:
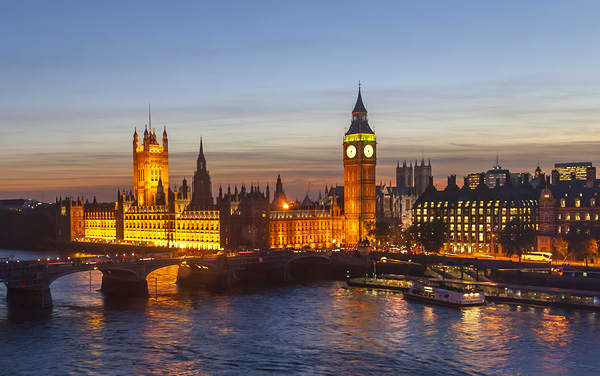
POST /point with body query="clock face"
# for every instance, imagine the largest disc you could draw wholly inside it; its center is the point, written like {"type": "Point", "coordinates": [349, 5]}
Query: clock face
{"type": "Point", "coordinates": [351, 151]}
{"type": "Point", "coordinates": [368, 151]}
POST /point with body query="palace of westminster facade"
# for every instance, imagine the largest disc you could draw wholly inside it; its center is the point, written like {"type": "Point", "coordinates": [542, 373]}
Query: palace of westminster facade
{"type": "Point", "coordinates": [153, 213]}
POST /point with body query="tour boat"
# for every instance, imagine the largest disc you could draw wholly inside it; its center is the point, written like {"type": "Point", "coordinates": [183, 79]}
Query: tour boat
{"type": "Point", "coordinates": [445, 295]}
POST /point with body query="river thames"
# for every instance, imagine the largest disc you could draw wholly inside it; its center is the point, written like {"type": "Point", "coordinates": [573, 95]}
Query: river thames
{"type": "Point", "coordinates": [321, 328]}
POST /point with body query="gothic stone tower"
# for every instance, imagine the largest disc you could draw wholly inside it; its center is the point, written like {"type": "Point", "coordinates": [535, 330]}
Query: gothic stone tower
{"type": "Point", "coordinates": [359, 155]}
{"type": "Point", "coordinates": [202, 188]}
{"type": "Point", "coordinates": [422, 175]}
{"type": "Point", "coordinates": [404, 175]}
{"type": "Point", "coordinates": [150, 166]}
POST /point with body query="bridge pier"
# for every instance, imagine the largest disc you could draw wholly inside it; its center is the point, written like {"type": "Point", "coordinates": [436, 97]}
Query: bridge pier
{"type": "Point", "coordinates": [124, 288]}
{"type": "Point", "coordinates": [29, 298]}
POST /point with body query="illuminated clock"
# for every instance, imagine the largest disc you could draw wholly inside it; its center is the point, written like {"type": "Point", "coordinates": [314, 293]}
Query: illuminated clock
{"type": "Point", "coordinates": [368, 151]}
{"type": "Point", "coordinates": [351, 151]}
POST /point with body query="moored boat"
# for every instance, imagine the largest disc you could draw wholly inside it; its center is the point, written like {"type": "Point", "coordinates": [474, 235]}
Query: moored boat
{"type": "Point", "coordinates": [445, 295]}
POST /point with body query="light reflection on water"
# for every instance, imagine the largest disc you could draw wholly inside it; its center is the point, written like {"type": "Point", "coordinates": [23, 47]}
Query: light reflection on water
{"type": "Point", "coordinates": [319, 328]}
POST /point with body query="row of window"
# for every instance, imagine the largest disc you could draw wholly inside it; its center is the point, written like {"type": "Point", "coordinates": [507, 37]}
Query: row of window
{"type": "Point", "coordinates": [578, 217]}
{"type": "Point", "coordinates": [286, 226]}
{"type": "Point", "coordinates": [439, 204]}
{"type": "Point", "coordinates": [480, 211]}
{"type": "Point", "coordinates": [563, 202]}
{"type": "Point", "coordinates": [504, 219]}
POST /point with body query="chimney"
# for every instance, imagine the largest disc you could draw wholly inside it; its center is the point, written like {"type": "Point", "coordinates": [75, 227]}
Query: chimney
{"type": "Point", "coordinates": [590, 180]}
{"type": "Point", "coordinates": [451, 180]}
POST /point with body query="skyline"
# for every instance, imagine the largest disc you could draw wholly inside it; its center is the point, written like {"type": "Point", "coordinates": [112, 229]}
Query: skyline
{"type": "Point", "coordinates": [274, 97]}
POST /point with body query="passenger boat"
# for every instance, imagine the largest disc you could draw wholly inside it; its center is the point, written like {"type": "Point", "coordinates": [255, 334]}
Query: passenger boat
{"type": "Point", "coordinates": [445, 295]}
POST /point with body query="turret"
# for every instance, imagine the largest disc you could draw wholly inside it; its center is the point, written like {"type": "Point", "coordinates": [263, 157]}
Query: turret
{"type": "Point", "coordinates": [165, 140]}
{"type": "Point", "coordinates": [160, 193]}
{"type": "Point", "coordinates": [136, 141]}
{"type": "Point", "coordinates": [146, 135]}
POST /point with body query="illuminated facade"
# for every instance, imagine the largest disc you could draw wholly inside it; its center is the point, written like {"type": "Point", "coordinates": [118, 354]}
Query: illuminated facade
{"type": "Point", "coordinates": [565, 205]}
{"type": "Point", "coordinates": [309, 224]}
{"type": "Point", "coordinates": [151, 214]}
{"type": "Point", "coordinates": [151, 168]}
{"type": "Point", "coordinates": [573, 171]}
{"type": "Point", "coordinates": [474, 218]}
{"type": "Point", "coordinates": [360, 156]}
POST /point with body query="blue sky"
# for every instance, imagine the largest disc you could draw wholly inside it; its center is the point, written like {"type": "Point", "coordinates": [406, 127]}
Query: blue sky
{"type": "Point", "coordinates": [270, 86]}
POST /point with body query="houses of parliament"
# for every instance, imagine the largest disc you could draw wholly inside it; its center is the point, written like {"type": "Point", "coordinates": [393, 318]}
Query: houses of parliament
{"type": "Point", "coordinates": [155, 213]}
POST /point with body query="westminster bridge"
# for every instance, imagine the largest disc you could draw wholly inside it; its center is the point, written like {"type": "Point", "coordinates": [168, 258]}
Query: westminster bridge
{"type": "Point", "coordinates": [28, 282]}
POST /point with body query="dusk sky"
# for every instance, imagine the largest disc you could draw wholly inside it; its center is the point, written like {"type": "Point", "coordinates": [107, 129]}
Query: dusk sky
{"type": "Point", "coordinates": [270, 87]}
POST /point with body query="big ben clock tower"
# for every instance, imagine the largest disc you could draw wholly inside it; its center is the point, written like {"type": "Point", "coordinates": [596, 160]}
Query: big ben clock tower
{"type": "Point", "coordinates": [359, 175]}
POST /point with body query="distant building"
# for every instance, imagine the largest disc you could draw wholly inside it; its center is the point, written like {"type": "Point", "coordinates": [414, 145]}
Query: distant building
{"type": "Point", "coordinates": [474, 218]}
{"type": "Point", "coordinates": [472, 180]}
{"type": "Point", "coordinates": [497, 176]}
{"type": "Point", "coordinates": [19, 204]}
{"type": "Point", "coordinates": [520, 177]}
{"type": "Point", "coordinates": [573, 171]}
{"type": "Point", "coordinates": [415, 177]}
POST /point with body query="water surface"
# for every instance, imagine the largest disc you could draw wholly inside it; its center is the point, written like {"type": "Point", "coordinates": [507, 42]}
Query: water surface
{"type": "Point", "coordinates": [311, 329]}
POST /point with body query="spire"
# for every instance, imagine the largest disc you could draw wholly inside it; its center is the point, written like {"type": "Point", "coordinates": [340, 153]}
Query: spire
{"type": "Point", "coordinates": [149, 116]}
{"type": "Point", "coordinates": [201, 162]}
{"type": "Point", "coordinates": [359, 124]}
{"type": "Point", "coordinates": [359, 106]}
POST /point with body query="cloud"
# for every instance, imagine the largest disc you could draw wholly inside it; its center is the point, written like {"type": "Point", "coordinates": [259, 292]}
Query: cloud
{"type": "Point", "coordinates": [252, 137]}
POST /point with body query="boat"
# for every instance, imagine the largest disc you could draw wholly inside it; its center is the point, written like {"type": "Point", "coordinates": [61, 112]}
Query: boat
{"type": "Point", "coordinates": [445, 295]}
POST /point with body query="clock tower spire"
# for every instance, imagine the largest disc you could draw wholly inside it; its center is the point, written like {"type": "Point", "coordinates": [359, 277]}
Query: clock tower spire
{"type": "Point", "coordinates": [359, 154]}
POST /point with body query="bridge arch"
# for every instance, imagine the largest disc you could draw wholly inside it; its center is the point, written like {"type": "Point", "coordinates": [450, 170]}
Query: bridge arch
{"type": "Point", "coordinates": [322, 259]}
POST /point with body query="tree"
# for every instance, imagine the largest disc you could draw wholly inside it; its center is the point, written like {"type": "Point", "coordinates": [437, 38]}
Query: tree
{"type": "Point", "coordinates": [590, 248]}
{"type": "Point", "coordinates": [431, 235]}
{"type": "Point", "coordinates": [382, 232]}
{"type": "Point", "coordinates": [578, 238]}
{"type": "Point", "coordinates": [405, 238]}
{"type": "Point", "coordinates": [560, 248]}
{"type": "Point", "coordinates": [516, 237]}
